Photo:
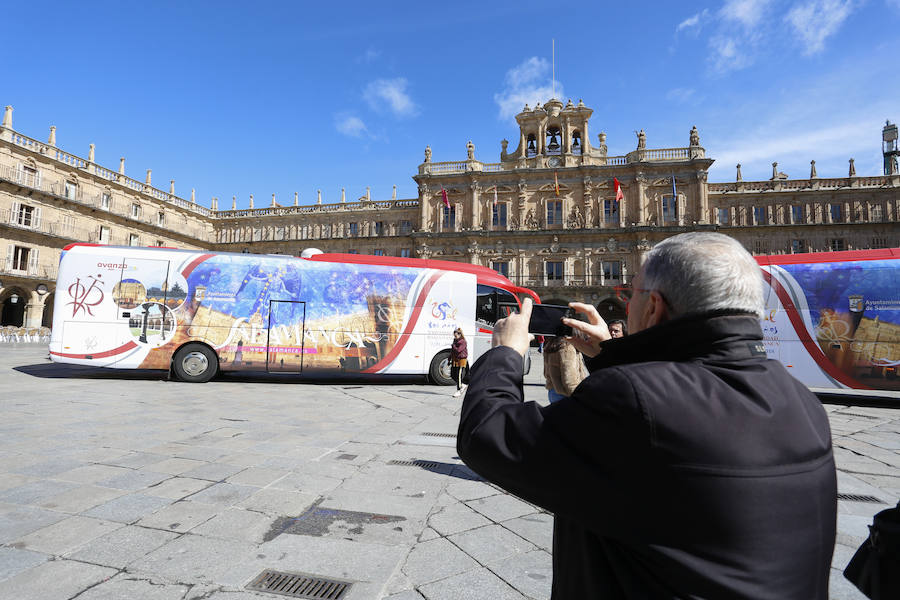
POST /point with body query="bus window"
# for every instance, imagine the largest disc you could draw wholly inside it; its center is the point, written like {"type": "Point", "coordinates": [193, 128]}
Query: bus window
{"type": "Point", "coordinates": [486, 304]}
{"type": "Point", "coordinates": [507, 303]}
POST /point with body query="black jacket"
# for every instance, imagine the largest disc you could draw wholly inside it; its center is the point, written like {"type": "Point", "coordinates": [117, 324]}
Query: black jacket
{"type": "Point", "coordinates": [687, 465]}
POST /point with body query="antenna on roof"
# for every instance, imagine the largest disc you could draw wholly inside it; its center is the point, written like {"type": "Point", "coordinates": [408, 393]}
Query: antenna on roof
{"type": "Point", "coordinates": [553, 71]}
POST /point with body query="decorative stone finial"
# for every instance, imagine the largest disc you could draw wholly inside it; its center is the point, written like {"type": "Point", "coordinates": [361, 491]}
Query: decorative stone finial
{"type": "Point", "coordinates": [368, 194]}
{"type": "Point", "coordinates": [527, 108]}
{"type": "Point", "coordinates": [427, 154]}
{"type": "Point", "coordinates": [318, 196]}
{"type": "Point", "coordinates": [394, 193]}
{"type": "Point", "coordinates": [214, 204]}
{"type": "Point", "coordinates": [193, 195]}
{"type": "Point", "coordinates": [580, 103]}
{"type": "Point", "coordinates": [52, 140]}
{"type": "Point", "coordinates": [470, 150]}
{"type": "Point", "coordinates": [91, 153]}
{"type": "Point", "coordinates": [7, 117]}
{"type": "Point", "coordinates": [296, 199]}
{"type": "Point", "coordinates": [569, 104]}
{"type": "Point", "coordinates": [738, 177]}
{"type": "Point", "coordinates": [274, 204]}
{"type": "Point", "coordinates": [149, 171]}
{"type": "Point", "coordinates": [171, 187]}
{"type": "Point", "coordinates": [122, 166]}
{"type": "Point", "coordinates": [852, 168]}
{"type": "Point", "coordinates": [251, 200]}
{"type": "Point", "coordinates": [234, 203]}
{"type": "Point", "coordinates": [343, 195]}
{"type": "Point", "coordinates": [774, 170]}
{"type": "Point", "coordinates": [812, 169]}
{"type": "Point", "coordinates": [602, 147]}
{"type": "Point", "coordinates": [695, 136]}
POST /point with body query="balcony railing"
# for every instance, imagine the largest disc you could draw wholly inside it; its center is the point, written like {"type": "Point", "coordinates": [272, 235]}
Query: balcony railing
{"type": "Point", "coordinates": [9, 267]}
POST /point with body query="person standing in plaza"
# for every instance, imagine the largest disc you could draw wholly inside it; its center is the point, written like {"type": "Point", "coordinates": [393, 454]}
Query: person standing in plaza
{"type": "Point", "coordinates": [687, 464]}
{"type": "Point", "coordinates": [459, 359]}
{"type": "Point", "coordinates": [618, 328]}
{"type": "Point", "coordinates": [564, 368]}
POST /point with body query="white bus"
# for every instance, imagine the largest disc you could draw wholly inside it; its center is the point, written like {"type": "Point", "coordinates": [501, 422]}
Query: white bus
{"type": "Point", "coordinates": [197, 313]}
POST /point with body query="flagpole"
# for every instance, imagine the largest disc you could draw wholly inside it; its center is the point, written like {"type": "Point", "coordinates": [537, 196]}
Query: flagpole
{"type": "Point", "coordinates": [553, 71]}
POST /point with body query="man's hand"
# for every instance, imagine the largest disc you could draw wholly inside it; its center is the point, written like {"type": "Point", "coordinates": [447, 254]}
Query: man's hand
{"type": "Point", "coordinates": [587, 336]}
{"type": "Point", "coordinates": [512, 331]}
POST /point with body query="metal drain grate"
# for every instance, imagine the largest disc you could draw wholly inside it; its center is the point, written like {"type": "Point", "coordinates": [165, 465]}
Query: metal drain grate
{"type": "Point", "coordinates": [859, 498]}
{"type": "Point", "coordinates": [446, 435]}
{"type": "Point", "coordinates": [298, 585]}
{"type": "Point", "coordinates": [425, 464]}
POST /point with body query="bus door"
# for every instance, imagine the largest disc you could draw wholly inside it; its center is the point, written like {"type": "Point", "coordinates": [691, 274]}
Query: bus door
{"type": "Point", "coordinates": [146, 297]}
{"type": "Point", "coordinates": [286, 333]}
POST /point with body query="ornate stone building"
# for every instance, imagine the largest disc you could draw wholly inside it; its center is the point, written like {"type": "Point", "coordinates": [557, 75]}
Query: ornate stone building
{"type": "Point", "coordinates": [545, 215]}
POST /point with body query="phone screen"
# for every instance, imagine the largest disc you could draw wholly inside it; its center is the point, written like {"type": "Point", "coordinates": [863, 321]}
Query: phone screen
{"type": "Point", "coordinates": [546, 319]}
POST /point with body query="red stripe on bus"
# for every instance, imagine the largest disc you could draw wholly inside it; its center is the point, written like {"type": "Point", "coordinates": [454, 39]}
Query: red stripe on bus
{"type": "Point", "coordinates": [113, 352]}
{"type": "Point", "coordinates": [387, 360]}
{"type": "Point", "coordinates": [483, 330]}
{"type": "Point", "coordinates": [811, 346]}
{"type": "Point", "coordinates": [193, 264]}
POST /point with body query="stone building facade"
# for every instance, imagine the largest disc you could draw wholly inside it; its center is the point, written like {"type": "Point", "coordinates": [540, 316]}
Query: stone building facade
{"type": "Point", "coordinates": [546, 215]}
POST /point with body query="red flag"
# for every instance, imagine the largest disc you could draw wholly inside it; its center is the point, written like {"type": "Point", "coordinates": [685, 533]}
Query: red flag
{"type": "Point", "coordinates": [556, 183]}
{"type": "Point", "coordinates": [444, 197]}
{"type": "Point", "coordinates": [619, 194]}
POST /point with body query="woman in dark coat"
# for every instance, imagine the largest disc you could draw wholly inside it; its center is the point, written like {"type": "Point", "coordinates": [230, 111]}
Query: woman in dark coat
{"type": "Point", "coordinates": [459, 355]}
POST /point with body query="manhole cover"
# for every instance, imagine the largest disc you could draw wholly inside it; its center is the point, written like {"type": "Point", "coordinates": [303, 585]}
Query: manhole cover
{"type": "Point", "coordinates": [299, 585]}
{"type": "Point", "coordinates": [859, 498]}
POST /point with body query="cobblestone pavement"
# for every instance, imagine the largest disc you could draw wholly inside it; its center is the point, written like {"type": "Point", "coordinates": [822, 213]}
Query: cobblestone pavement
{"type": "Point", "coordinates": [119, 484]}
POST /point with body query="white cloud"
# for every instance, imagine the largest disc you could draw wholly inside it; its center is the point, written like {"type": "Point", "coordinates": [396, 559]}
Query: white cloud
{"type": "Point", "coordinates": [816, 20]}
{"type": "Point", "coordinates": [696, 21]}
{"type": "Point", "coordinates": [527, 83]}
{"type": "Point", "coordinates": [390, 94]}
{"type": "Point", "coordinates": [350, 125]}
{"type": "Point", "coordinates": [746, 12]}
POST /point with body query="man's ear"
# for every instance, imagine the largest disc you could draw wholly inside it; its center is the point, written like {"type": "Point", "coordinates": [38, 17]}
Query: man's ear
{"type": "Point", "coordinates": [656, 309]}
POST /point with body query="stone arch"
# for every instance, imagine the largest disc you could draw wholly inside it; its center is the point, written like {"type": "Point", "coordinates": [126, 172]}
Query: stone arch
{"type": "Point", "coordinates": [47, 317]}
{"type": "Point", "coordinates": [13, 312]}
{"type": "Point", "coordinates": [611, 308]}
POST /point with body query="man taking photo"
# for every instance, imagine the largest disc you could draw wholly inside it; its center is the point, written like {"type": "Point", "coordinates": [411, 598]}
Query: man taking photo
{"type": "Point", "coordinates": [687, 464]}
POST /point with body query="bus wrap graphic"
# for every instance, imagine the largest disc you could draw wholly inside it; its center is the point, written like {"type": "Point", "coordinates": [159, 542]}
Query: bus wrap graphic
{"type": "Point", "coordinates": [853, 311]}
{"type": "Point", "coordinates": [271, 313]}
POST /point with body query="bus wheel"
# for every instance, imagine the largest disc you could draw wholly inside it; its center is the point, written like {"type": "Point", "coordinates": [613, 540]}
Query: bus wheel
{"type": "Point", "coordinates": [195, 363]}
{"type": "Point", "coordinates": [440, 369]}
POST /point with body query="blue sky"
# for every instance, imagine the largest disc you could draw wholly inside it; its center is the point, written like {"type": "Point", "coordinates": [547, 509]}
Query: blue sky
{"type": "Point", "coordinates": [284, 97]}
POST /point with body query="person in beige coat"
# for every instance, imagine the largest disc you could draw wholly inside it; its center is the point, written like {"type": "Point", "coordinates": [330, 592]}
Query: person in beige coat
{"type": "Point", "coordinates": [564, 368]}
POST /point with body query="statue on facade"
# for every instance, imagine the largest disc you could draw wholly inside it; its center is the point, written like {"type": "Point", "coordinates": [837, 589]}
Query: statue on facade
{"type": "Point", "coordinates": [470, 150]}
{"type": "Point", "coordinates": [738, 176]}
{"type": "Point", "coordinates": [642, 140]}
{"type": "Point", "coordinates": [530, 220]}
{"type": "Point", "coordinates": [695, 136]}
{"type": "Point", "coordinates": [503, 146]}
{"type": "Point", "coordinates": [427, 154]}
{"type": "Point", "coordinates": [576, 219]}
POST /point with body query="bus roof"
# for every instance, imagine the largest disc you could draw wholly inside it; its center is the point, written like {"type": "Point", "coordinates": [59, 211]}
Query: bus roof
{"type": "Point", "coordinates": [827, 257]}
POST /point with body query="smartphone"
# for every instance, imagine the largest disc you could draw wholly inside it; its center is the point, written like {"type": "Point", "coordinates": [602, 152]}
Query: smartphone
{"type": "Point", "coordinates": [546, 319]}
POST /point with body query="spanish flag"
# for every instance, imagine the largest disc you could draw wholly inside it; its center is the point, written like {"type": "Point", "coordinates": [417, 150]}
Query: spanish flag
{"type": "Point", "coordinates": [556, 183]}
{"type": "Point", "coordinates": [619, 195]}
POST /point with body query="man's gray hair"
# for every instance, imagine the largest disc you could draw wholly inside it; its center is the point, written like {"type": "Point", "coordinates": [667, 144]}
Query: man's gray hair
{"type": "Point", "coordinates": [699, 272]}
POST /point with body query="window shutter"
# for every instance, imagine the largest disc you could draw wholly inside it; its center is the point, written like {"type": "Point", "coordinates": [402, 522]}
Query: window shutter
{"type": "Point", "coordinates": [20, 173]}
{"type": "Point", "coordinates": [14, 213]}
{"type": "Point", "coordinates": [10, 255]}
{"type": "Point", "coordinates": [36, 218]}
{"type": "Point", "coordinates": [33, 262]}
{"type": "Point", "coordinates": [37, 179]}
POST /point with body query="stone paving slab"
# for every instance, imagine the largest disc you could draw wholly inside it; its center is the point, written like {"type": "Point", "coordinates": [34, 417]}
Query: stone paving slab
{"type": "Point", "coordinates": [104, 494]}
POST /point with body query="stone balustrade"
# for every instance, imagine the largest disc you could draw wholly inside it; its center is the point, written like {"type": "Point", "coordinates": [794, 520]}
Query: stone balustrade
{"type": "Point", "coordinates": [833, 183]}
{"type": "Point", "coordinates": [317, 209]}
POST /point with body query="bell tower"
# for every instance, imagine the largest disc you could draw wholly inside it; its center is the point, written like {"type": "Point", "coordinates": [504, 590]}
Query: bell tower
{"type": "Point", "coordinates": [552, 135]}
